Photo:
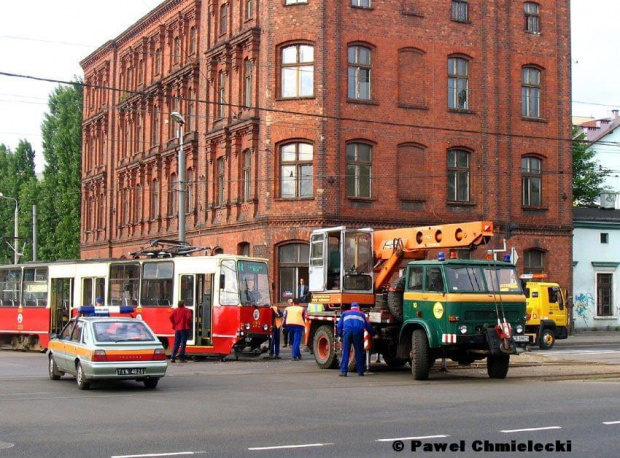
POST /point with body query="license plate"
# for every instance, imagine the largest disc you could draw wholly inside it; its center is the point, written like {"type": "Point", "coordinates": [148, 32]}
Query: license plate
{"type": "Point", "coordinates": [521, 338]}
{"type": "Point", "coordinates": [133, 371]}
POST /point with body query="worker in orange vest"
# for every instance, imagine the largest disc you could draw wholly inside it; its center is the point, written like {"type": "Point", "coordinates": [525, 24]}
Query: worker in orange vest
{"type": "Point", "coordinates": [276, 325]}
{"type": "Point", "coordinates": [294, 320]}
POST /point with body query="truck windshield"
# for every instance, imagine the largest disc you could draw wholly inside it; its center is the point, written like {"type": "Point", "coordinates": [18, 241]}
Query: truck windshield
{"type": "Point", "coordinates": [465, 279]}
{"type": "Point", "coordinates": [502, 279]}
{"type": "Point", "coordinates": [253, 283]}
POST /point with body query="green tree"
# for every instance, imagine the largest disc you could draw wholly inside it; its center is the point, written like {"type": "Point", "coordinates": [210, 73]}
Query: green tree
{"type": "Point", "coordinates": [59, 203]}
{"type": "Point", "coordinates": [16, 171]}
{"type": "Point", "coordinates": [588, 174]}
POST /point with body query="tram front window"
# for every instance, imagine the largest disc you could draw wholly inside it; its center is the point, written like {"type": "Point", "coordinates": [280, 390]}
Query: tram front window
{"type": "Point", "coordinates": [253, 283]}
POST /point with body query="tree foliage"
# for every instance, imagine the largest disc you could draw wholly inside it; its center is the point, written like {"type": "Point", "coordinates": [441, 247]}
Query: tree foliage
{"type": "Point", "coordinates": [59, 205]}
{"type": "Point", "coordinates": [588, 174]}
{"type": "Point", "coordinates": [17, 171]}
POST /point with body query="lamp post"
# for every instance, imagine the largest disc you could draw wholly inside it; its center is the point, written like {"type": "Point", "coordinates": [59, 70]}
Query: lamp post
{"type": "Point", "coordinates": [176, 116]}
{"type": "Point", "coordinates": [15, 230]}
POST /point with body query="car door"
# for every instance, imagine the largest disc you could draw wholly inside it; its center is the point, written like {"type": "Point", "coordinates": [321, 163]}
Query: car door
{"type": "Point", "coordinates": [59, 351]}
{"type": "Point", "coordinates": [74, 348]}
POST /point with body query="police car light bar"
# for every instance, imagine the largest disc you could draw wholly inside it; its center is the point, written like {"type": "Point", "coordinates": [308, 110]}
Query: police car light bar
{"type": "Point", "coordinates": [91, 310]}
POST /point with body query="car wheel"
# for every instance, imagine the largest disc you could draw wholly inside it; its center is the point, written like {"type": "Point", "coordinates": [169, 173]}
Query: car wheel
{"type": "Point", "coordinates": [80, 378]}
{"type": "Point", "coordinates": [151, 383]}
{"type": "Point", "coordinates": [54, 373]}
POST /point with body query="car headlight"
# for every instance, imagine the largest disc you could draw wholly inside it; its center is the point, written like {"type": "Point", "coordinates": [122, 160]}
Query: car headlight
{"type": "Point", "coordinates": [463, 329]}
{"type": "Point", "coordinates": [265, 327]}
{"type": "Point", "coordinates": [247, 326]}
{"type": "Point", "coordinates": [519, 329]}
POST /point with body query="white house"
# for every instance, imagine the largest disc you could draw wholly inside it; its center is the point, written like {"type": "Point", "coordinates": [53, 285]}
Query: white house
{"type": "Point", "coordinates": [596, 267]}
{"type": "Point", "coordinates": [607, 147]}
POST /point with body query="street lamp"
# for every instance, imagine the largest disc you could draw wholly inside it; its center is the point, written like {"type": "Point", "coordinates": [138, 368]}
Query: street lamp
{"type": "Point", "coordinates": [15, 230]}
{"type": "Point", "coordinates": [176, 116]}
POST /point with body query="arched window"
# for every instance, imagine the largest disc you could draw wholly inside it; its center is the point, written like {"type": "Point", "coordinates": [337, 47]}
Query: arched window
{"type": "Point", "coordinates": [193, 40]}
{"type": "Point", "coordinates": [530, 92]}
{"type": "Point", "coordinates": [359, 170]}
{"type": "Point", "coordinates": [176, 52]}
{"type": "Point", "coordinates": [293, 262]}
{"type": "Point", "coordinates": [458, 175]}
{"type": "Point", "coordinates": [297, 75]}
{"type": "Point", "coordinates": [247, 83]}
{"type": "Point", "coordinates": [296, 170]}
{"type": "Point", "coordinates": [458, 83]}
{"type": "Point", "coordinates": [359, 73]}
{"type": "Point", "coordinates": [224, 19]}
{"type": "Point", "coordinates": [531, 172]}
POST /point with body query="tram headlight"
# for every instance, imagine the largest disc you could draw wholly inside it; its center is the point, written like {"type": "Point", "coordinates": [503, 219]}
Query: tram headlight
{"type": "Point", "coordinates": [265, 327]}
{"type": "Point", "coordinates": [519, 329]}
{"type": "Point", "coordinates": [463, 329]}
{"type": "Point", "coordinates": [247, 326]}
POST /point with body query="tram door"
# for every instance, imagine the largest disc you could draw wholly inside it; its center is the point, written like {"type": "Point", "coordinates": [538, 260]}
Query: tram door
{"type": "Point", "coordinates": [61, 303]}
{"type": "Point", "coordinates": [196, 292]}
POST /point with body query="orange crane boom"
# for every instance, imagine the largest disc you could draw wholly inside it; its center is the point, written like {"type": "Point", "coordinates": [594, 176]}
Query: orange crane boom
{"type": "Point", "coordinates": [392, 245]}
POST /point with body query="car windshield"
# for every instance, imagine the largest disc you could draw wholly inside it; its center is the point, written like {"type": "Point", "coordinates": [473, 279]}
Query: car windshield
{"type": "Point", "coordinates": [122, 331]}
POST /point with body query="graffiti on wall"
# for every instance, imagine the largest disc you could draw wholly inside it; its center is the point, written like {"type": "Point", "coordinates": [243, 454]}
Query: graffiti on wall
{"type": "Point", "coordinates": [583, 307]}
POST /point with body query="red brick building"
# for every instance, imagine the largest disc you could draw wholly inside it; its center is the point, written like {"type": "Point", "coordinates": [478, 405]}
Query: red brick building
{"type": "Point", "coordinates": [314, 113]}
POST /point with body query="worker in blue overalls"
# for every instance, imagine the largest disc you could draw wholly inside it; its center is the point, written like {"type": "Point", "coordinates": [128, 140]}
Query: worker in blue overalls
{"type": "Point", "coordinates": [350, 330]}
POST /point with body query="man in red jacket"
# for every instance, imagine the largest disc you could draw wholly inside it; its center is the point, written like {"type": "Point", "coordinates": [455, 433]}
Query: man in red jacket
{"type": "Point", "coordinates": [181, 319]}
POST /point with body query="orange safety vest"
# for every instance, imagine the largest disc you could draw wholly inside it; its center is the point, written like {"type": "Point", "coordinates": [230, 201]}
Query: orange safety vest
{"type": "Point", "coordinates": [277, 319]}
{"type": "Point", "coordinates": [294, 315]}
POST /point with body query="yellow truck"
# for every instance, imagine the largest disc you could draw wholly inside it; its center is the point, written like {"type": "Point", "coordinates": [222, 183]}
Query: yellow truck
{"type": "Point", "coordinates": [547, 313]}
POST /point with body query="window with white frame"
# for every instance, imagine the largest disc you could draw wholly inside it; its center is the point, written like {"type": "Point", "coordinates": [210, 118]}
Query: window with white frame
{"type": "Point", "coordinates": [220, 181]}
{"type": "Point", "coordinates": [604, 294]}
{"type": "Point", "coordinates": [249, 9]}
{"type": "Point", "coordinates": [247, 175]}
{"type": "Point", "coordinates": [224, 19]}
{"type": "Point", "coordinates": [295, 2]}
{"type": "Point", "coordinates": [247, 83]}
{"type": "Point", "coordinates": [361, 3]}
{"type": "Point", "coordinates": [296, 169]}
{"type": "Point", "coordinates": [458, 83]}
{"type": "Point", "coordinates": [460, 10]}
{"type": "Point", "coordinates": [531, 172]}
{"type": "Point", "coordinates": [458, 176]}
{"type": "Point", "coordinates": [530, 92]}
{"type": "Point", "coordinates": [221, 94]}
{"type": "Point", "coordinates": [297, 77]}
{"type": "Point", "coordinates": [359, 170]}
{"type": "Point", "coordinates": [359, 72]}
{"type": "Point", "coordinates": [532, 17]}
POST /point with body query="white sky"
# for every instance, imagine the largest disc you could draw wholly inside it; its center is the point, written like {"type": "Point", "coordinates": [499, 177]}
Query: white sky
{"type": "Point", "coordinates": [48, 38]}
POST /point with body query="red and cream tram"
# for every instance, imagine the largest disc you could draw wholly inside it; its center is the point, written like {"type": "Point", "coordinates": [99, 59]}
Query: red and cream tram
{"type": "Point", "coordinates": [228, 295]}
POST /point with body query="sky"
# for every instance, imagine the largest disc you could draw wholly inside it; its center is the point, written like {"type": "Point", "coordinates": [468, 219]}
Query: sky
{"type": "Point", "coordinates": [48, 39]}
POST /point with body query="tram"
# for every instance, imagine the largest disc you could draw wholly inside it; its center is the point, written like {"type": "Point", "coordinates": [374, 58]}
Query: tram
{"type": "Point", "coordinates": [229, 296]}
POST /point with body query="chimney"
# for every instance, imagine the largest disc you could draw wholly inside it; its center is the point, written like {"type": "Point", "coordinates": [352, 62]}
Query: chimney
{"type": "Point", "coordinates": [614, 114]}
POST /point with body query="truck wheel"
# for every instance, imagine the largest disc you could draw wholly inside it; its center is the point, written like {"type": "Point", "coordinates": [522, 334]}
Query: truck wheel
{"type": "Point", "coordinates": [497, 365]}
{"type": "Point", "coordinates": [395, 299]}
{"type": "Point", "coordinates": [547, 339]}
{"type": "Point", "coordinates": [420, 357]}
{"type": "Point", "coordinates": [323, 344]}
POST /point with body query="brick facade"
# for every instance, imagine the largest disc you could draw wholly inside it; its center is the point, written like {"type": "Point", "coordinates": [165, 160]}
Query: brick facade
{"type": "Point", "coordinates": [279, 121]}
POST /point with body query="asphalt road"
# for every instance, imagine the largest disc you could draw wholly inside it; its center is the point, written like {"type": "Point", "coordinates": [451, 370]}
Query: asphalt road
{"type": "Point", "coordinates": [264, 408]}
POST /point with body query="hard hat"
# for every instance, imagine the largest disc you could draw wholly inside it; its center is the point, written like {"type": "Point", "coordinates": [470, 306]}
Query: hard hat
{"type": "Point", "coordinates": [355, 305]}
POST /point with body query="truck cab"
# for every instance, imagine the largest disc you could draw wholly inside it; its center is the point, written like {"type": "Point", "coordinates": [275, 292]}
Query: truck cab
{"type": "Point", "coordinates": [547, 313]}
